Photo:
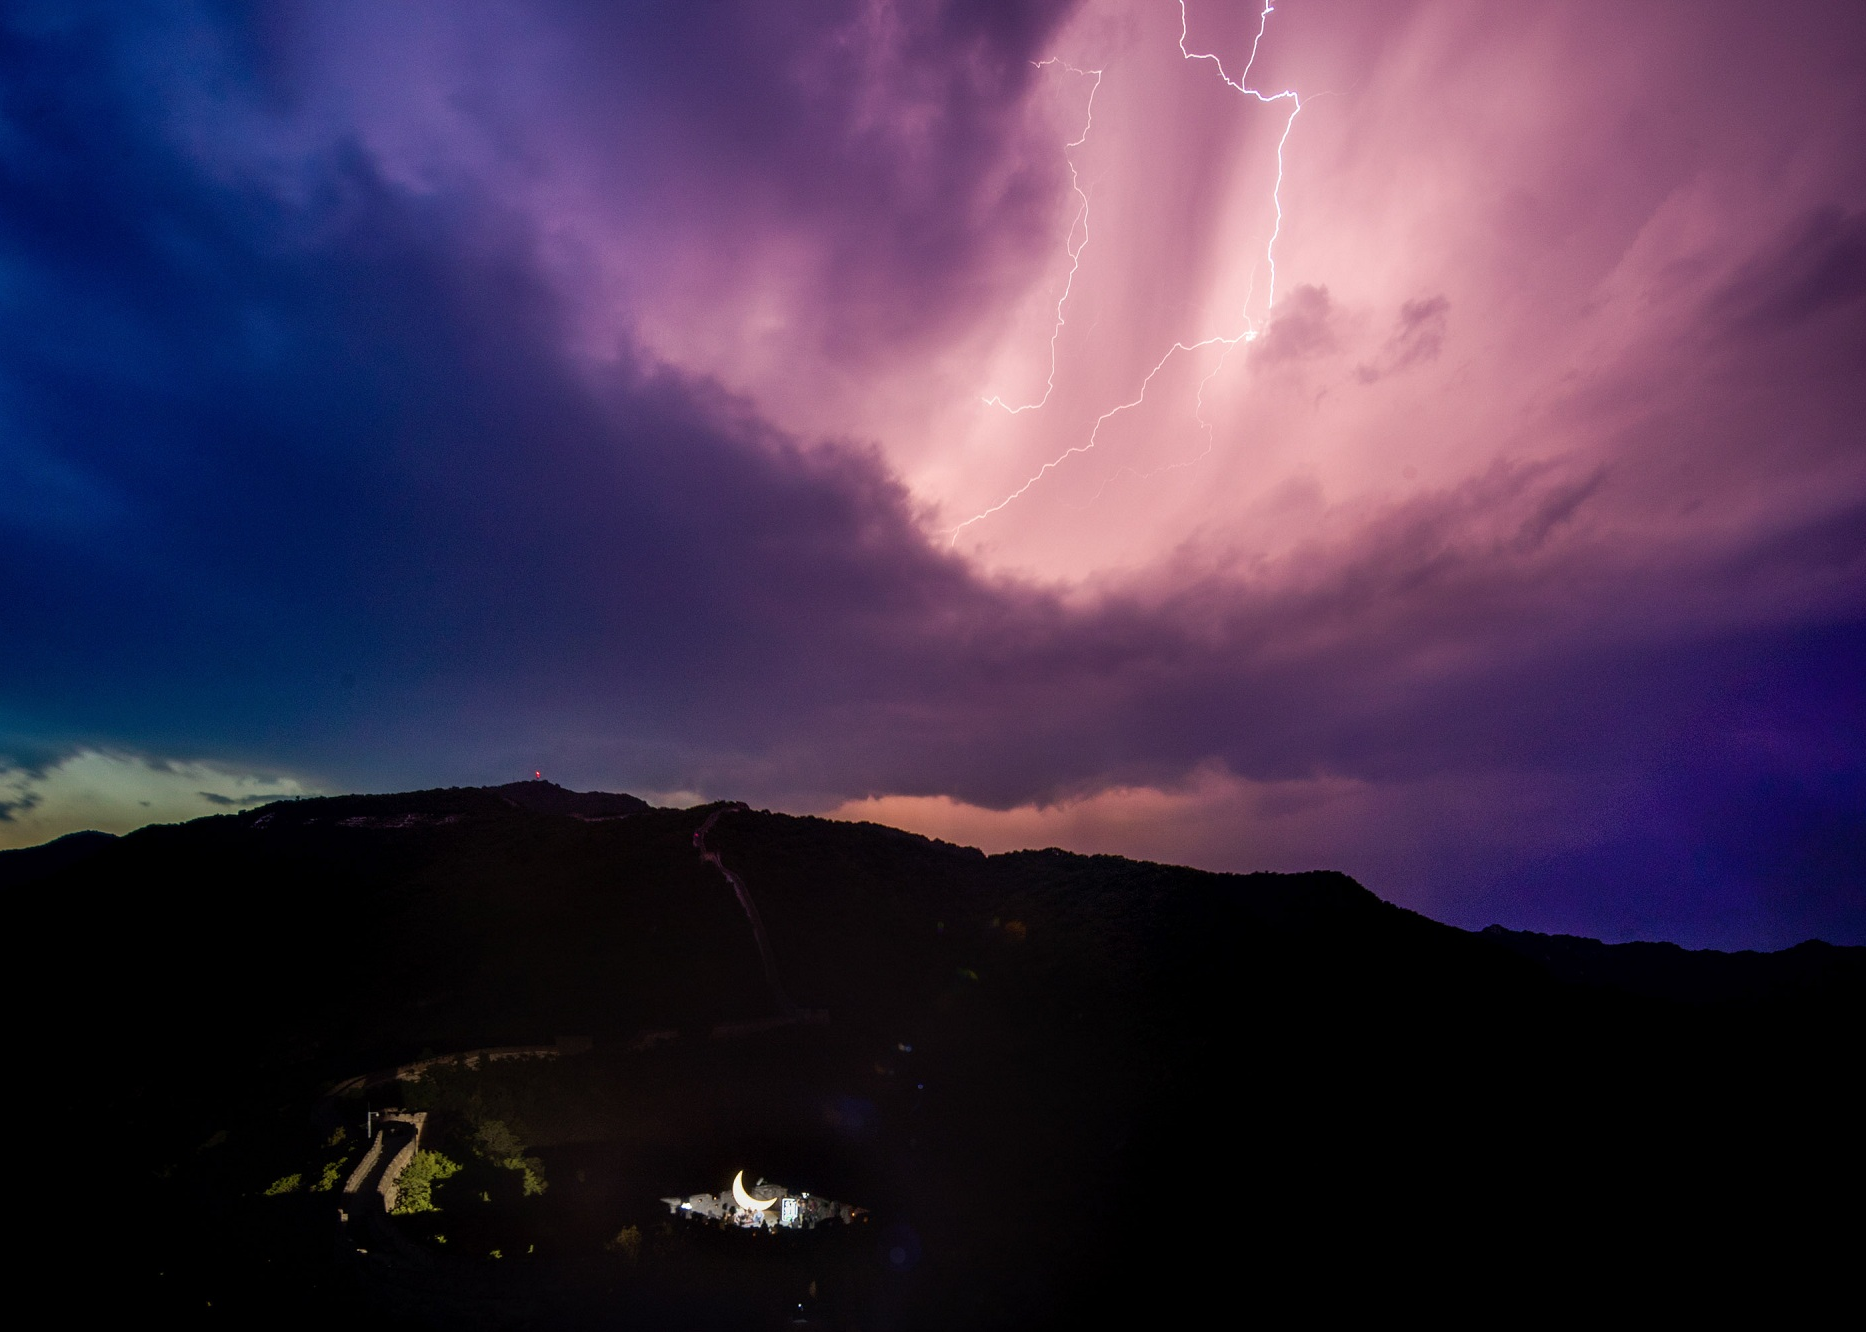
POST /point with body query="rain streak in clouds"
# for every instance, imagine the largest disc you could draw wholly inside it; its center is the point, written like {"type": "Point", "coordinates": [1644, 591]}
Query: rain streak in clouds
{"type": "Point", "coordinates": [423, 394]}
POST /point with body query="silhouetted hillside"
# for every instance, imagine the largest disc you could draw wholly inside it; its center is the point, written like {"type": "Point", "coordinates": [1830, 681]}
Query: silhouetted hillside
{"type": "Point", "coordinates": [550, 798]}
{"type": "Point", "coordinates": [1808, 971]}
{"type": "Point", "coordinates": [21, 866]}
{"type": "Point", "coordinates": [1070, 1089]}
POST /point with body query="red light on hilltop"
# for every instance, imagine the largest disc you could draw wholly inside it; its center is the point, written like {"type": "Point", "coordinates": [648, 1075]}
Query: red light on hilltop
{"type": "Point", "coordinates": [538, 775]}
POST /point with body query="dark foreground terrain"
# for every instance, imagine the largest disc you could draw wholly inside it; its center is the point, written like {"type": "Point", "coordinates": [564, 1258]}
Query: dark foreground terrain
{"type": "Point", "coordinates": [1071, 1091]}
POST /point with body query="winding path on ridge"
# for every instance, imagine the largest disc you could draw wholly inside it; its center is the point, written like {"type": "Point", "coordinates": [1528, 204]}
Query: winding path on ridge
{"type": "Point", "coordinates": [789, 1011]}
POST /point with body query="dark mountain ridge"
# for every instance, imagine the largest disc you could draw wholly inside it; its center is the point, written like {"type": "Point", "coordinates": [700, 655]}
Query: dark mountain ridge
{"type": "Point", "coordinates": [1667, 971]}
{"type": "Point", "coordinates": [1657, 970]}
{"type": "Point", "coordinates": [1031, 1063]}
{"type": "Point", "coordinates": [22, 865]}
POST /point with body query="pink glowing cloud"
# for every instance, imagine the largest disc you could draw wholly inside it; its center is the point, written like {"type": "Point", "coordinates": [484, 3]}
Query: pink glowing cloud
{"type": "Point", "coordinates": [1492, 238]}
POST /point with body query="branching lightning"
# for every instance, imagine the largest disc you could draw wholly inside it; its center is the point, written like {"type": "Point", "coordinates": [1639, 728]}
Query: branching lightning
{"type": "Point", "coordinates": [1072, 246]}
{"type": "Point", "coordinates": [1247, 333]}
{"type": "Point", "coordinates": [1242, 85]}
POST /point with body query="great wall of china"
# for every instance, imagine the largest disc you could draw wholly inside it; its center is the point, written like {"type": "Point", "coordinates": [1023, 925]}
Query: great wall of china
{"type": "Point", "coordinates": [379, 1172]}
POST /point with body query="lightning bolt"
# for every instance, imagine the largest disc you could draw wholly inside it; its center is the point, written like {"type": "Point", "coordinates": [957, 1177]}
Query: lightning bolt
{"type": "Point", "coordinates": [1295, 109]}
{"type": "Point", "coordinates": [1071, 246]}
{"type": "Point", "coordinates": [1246, 334]}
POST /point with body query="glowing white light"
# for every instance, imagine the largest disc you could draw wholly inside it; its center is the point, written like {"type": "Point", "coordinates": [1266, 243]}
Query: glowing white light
{"type": "Point", "coordinates": [744, 1199]}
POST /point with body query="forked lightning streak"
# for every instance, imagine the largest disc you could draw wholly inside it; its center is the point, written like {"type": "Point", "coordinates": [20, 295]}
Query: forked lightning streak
{"type": "Point", "coordinates": [1071, 246]}
{"type": "Point", "coordinates": [1247, 333]}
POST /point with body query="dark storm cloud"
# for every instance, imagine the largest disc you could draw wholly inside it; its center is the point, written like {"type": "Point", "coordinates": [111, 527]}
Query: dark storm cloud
{"type": "Point", "coordinates": [1419, 332]}
{"type": "Point", "coordinates": [1817, 268]}
{"type": "Point", "coordinates": [236, 802]}
{"type": "Point", "coordinates": [1302, 327]}
{"type": "Point", "coordinates": [1418, 335]}
{"type": "Point", "coordinates": [338, 438]}
{"type": "Point", "coordinates": [867, 151]}
{"type": "Point", "coordinates": [23, 805]}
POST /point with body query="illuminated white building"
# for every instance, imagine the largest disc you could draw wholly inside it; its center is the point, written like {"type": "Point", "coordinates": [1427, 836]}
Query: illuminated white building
{"type": "Point", "coordinates": [763, 1206]}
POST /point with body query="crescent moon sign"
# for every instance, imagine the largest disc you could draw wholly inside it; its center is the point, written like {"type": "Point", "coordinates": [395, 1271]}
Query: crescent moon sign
{"type": "Point", "coordinates": [744, 1199]}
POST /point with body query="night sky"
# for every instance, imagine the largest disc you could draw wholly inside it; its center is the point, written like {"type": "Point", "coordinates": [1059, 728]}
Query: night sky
{"type": "Point", "coordinates": [434, 393]}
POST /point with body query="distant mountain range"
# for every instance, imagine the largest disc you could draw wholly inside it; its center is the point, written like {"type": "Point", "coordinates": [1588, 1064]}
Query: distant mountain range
{"type": "Point", "coordinates": [1085, 1088]}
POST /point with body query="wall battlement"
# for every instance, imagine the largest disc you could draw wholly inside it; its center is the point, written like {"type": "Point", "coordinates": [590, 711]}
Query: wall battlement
{"type": "Point", "coordinates": [398, 1139]}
